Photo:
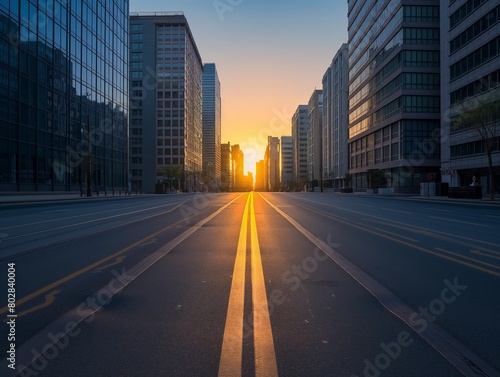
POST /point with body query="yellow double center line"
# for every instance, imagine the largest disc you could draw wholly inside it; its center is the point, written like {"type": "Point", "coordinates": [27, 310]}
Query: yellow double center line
{"type": "Point", "coordinates": [232, 344]}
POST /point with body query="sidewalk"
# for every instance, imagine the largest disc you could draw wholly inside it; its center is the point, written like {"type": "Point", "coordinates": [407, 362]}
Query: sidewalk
{"type": "Point", "coordinates": [437, 199]}
{"type": "Point", "coordinates": [14, 198]}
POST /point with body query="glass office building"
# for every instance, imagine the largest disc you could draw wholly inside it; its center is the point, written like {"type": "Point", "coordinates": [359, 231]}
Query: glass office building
{"type": "Point", "coordinates": [211, 126]}
{"type": "Point", "coordinates": [63, 95]}
{"type": "Point", "coordinates": [394, 91]}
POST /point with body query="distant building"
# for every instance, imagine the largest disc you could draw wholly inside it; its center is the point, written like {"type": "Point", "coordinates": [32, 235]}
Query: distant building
{"type": "Point", "coordinates": [238, 160]}
{"type": "Point", "coordinates": [335, 119]}
{"type": "Point", "coordinates": [166, 101]}
{"type": "Point", "coordinates": [63, 115]}
{"type": "Point", "coordinates": [260, 181]}
{"type": "Point", "coordinates": [211, 126]}
{"type": "Point", "coordinates": [226, 183]}
{"type": "Point", "coordinates": [470, 71]}
{"type": "Point", "coordinates": [315, 139]}
{"type": "Point", "coordinates": [394, 91]}
{"type": "Point", "coordinates": [286, 163]}
{"type": "Point", "coordinates": [300, 125]}
{"type": "Point", "coordinates": [272, 162]}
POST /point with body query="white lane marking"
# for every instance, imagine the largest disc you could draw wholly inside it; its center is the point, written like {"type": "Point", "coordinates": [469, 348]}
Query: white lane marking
{"type": "Point", "coordinates": [436, 209]}
{"type": "Point", "coordinates": [84, 214]}
{"type": "Point", "coordinates": [395, 210]}
{"type": "Point", "coordinates": [458, 221]}
{"type": "Point", "coordinates": [95, 220]}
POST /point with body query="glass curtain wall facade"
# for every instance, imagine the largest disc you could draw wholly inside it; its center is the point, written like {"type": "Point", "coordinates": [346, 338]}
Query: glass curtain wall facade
{"type": "Point", "coordinates": [63, 95]}
{"type": "Point", "coordinates": [166, 102]}
{"type": "Point", "coordinates": [211, 126]}
{"type": "Point", "coordinates": [394, 91]}
{"type": "Point", "coordinates": [470, 69]}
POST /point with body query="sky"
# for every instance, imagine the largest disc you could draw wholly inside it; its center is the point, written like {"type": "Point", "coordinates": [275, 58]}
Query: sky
{"type": "Point", "coordinates": [270, 56]}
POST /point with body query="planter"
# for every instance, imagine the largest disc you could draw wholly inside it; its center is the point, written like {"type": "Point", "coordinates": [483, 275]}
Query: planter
{"type": "Point", "coordinates": [386, 191]}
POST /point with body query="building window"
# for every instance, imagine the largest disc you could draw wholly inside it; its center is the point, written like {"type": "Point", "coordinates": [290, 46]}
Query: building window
{"type": "Point", "coordinates": [480, 56]}
{"type": "Point", "coordinates": [464, 11]}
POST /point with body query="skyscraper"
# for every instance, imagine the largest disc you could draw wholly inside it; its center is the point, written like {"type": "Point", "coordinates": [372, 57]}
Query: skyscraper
{"type": "Point", "coordinates": [211, 125]}
{"type": "Point", "coordinates": [335, 119]}
{"type": "Point", "coordinates": [166, 101]}
{"type": "Point", "coordinates": [470, 66]}
{"type": "Point", "coordinates": [226, 183]}
{"type": "Point", "coordinates": [272, 162]}
{"type": "Point", "coordinates": [394, 91]}
{"type": "Point", "coordinates": [300, 125]}
{"type": "Point", "coordinates": [286, 162]}
{"type": "Point", "coordinates": [315, 139]}
{"type": "Point", "coordinates": [63, 101]}
{"type": "Point", "coordinates": [238, 161]}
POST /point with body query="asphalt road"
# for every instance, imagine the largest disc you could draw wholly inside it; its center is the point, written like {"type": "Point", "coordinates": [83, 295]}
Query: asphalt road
{"type": "Point", "coordinates": [261, 284]}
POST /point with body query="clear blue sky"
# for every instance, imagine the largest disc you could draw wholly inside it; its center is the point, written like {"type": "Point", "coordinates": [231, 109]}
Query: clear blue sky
{"type": "Point", "coordinates": [270, 56]}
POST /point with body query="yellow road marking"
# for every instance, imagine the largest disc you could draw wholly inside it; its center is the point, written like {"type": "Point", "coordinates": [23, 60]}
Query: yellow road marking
{"type": "Point", "coordinates": [232, 343]}
{"type": "Point", "coordinates": [49, 299]}
{"type": "Point", "coordinates": [117, 261]}
{"type": "Point", "coordinates": [265, 357]}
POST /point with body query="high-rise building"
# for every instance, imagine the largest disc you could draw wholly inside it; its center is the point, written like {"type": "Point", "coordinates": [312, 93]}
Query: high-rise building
{"type": "Point", "coordinates": [335, 119]}
{"type": "Point", "coordinates": [470, 72]}
{"type": "Point", "coordinates": [315, 139]}
{"type": "Point", "coordinates": [226, 183]}
{"type": "Point", "coordinates": [394, 91]}
{"type": "Point", "coordinates": [286, 162]}
{"type": "Point", "coordinates": [238, 161]}
{"type": "Point", "coordinates": [272, 162]}
{"type": "Point", "coordinates": [260, 181]}
{"type": "Point", "coordinates": [211, 126]}
{"type": "Point", "coordinates": [300, 126]}
{"type": "Point", "coordinates": [166, 101]}
{"type": "Point", "coordinates": [63, 101]}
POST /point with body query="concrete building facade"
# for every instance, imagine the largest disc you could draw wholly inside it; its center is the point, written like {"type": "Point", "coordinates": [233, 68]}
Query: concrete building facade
{"type": "Point", "coordinates": [470, 74]}
{"type": "Point", "coordinates": [300, 126]}
{"type": "Point", "coordinates": [166, 101]}
{"type": "Point", "coordinates": [315, 140]}
{"type": "Point", "coordinates": [286, 159]}
{"type": "Point", "coordinates": [335, 119]}
{"type": "Point", "coordinates": [272, 162]}
{"type": "Point", "coordinates": [226, 182]}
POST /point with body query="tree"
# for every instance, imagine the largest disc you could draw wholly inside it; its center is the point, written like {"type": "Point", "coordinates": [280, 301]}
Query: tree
{"type": "Point", "coordinates": [347, 179]}
{"type": "Point", "coordinates": [483, 117]}
{"type": "Point", "coordinates": [377, 178]}
{"type": "Point", "coordinates": [173, 174]}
